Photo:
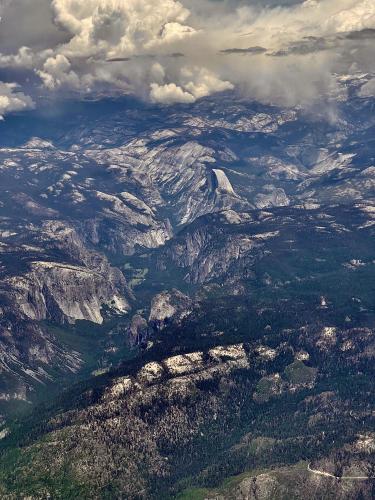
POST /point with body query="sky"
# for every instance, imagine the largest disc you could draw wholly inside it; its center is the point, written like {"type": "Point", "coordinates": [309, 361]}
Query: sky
{"type": "Point", "coordinates": [284, 52]}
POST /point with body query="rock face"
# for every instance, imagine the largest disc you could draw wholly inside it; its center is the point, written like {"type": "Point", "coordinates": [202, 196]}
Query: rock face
{"type": "Point", "coordinates": [213, 246]}
{"type": "Point", "coordinates": [186, 368]}
{"type": "Point", "coordinates": [62, 292]}
{"type": "Point", "coordinates": [125, 225]}
{"type": "Point", "coordinates": [60, 280]}
{"type": "Point", "coordinates": [138, 330]}
{"type": "Point", "coordinates": [76, 287]}
{"type": "Point", "coordinates": [225, 247]}
{"type": "Point", "coordinates": [274, 198]}
{"type": "Point", "coordinates": [221, 184]}
{"type": "Point", "coordinates": [165, 175]}
{"type": "Point", "coordinates": [28, 352]}
{"type": "Point", "coordinates": [168, 306]}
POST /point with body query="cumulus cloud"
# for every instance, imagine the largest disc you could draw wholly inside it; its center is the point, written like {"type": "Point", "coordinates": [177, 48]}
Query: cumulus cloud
{"type": "Point", "coordinates": [117, 28]}
{"type": "Point", "coordinates": [200, 82]}
{"type": "Point", "coordinates": [57, 72]}
{"type": "Point", "coordinates": [170, 93]}
{"type": "Point", "coordinates": [119, 32]}
{"type": "Point", "coordinates": [11, 99]}
{"type": "Point", "coordinates": [24, 58]}
{"type": "Point", "coordinates": [279, 51]}
{"type": "Point", "coordinates": [196, 83]}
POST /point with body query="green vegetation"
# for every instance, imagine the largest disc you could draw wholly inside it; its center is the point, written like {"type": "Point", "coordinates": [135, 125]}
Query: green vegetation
{"type": "Point", "coordinates": [265, 389]}
{"type": "Point", "coordinates": [25, 472]}
{"type": "Point", "coordinates": [138, 277]}
{"type": "Point", "coordinates": [193, 494]}
{"type": "Point", "coordinates": [299, 373]}
{"type": "Point", "coordinates": [268, 416]}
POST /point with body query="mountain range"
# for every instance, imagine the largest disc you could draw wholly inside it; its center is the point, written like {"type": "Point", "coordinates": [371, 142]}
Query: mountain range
{"type": "Point", "coordinates": [187, 300]}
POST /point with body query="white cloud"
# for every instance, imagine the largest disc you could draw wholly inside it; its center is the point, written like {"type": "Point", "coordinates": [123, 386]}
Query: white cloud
{"type": "Point", "coordinates": [12, 100]}
{"type": "Point", "coordinates": [115, 28]}
{"type": "Point", "coordinates": [195, 84]}
{"type": "Point", "coordinates": [169, 94]}
{"type": "Point", "coordinates": [57, 72]}
{"type": "Point", "coordinates": [25, 58]}
{"type": "Point", "coordinates": [305, 43]}
{"type": "Point", "coordinates": [201, 83]}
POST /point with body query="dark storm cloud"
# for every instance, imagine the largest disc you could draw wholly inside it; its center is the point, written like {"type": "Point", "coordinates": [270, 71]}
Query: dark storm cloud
{"type": "Point", "coordinates": [118, 59]}
{"type": "Point", "coordinates": [249, 50]}
{"type": "Point", "coordinates": [28, 23]}
{"type": "Point", "coordinates": [366, 34]}
{"type": "Point", "coordinates": [308, 45]}
{"type": "Point", "coordinates": [311, 44]}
